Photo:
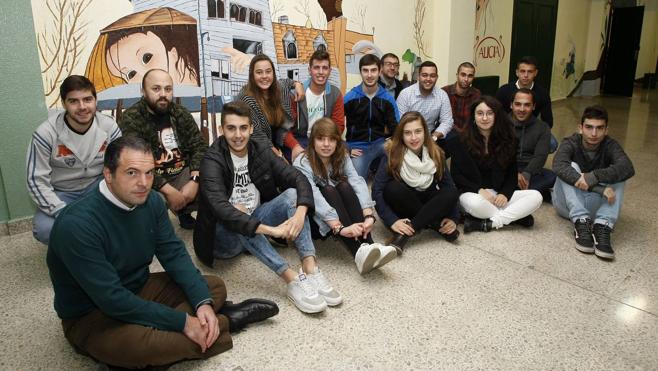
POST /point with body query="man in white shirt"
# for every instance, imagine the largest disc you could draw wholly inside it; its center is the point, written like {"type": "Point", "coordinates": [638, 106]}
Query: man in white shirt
{"type": "Point", "coordinates": [431, 101]}
{"type": "Point", "coordinates": [321, 100]}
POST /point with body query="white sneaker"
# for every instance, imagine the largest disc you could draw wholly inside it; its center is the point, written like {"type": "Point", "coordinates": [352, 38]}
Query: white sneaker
{"type": "Point", "coordinates": [386, 254]}
{"type": "Point", "coordinates": [365, 258]}
{"type": "Point", "coordinates": [304, 295]}
{"type": "Point", "coordinates": [322, 285]}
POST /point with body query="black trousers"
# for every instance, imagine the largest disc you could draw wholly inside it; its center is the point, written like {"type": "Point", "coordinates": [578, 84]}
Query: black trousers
{"type": "Point", "coordinates": [343, 198]}
{"type": "Point", "coordinates": [424, 208]}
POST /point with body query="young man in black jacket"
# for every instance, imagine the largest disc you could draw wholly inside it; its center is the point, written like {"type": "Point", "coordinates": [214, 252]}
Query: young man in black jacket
{"type": "Point", "coordinates": [241, 202]}
{"type": "Point", "coordinates": [534, 138]}
{"type": "Point", "coordinates": [592, 169]}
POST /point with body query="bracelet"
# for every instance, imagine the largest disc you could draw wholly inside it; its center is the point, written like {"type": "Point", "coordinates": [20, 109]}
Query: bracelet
{"type": "Point", "coordinates": [338, 229]}
{"type": "Point", "coordinates": [370, 216]}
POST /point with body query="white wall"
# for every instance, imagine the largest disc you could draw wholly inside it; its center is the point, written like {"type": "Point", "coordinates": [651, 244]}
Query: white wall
{"type": "Point", "coordinates": [646, 61]}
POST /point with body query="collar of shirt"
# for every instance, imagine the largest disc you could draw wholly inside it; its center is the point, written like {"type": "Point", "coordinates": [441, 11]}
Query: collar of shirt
{"type": "Point", "coordinates": [388, 84]}
{"type": "Point", "coordinates": [419, 94]}
{"type": "Point", "coordinates": [105, 191]}
{"type": "Point", "coordinates": [518, 87]}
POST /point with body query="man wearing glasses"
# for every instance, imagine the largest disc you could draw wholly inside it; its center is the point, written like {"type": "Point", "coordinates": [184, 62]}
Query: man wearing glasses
{"type": "Point", "coordinates": [431, 101]}
{"type": "Point", "coordinates": [388, 78]}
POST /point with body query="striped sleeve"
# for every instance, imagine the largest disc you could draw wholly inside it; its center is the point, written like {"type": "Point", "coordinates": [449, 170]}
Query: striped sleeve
{"type": "Point", "coordinates": [38, 175]}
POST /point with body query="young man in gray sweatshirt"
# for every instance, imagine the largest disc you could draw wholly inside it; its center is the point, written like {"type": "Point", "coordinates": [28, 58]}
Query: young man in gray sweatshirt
{"type": "Point", "coordinates": [592, 170]}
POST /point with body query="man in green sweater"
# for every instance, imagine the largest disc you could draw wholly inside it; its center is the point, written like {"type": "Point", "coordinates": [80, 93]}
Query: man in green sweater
{"type": "Point", "coordinates": [111, 307]}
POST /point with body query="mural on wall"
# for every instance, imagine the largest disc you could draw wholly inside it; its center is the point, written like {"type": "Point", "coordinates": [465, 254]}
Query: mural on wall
{"type": "Point", "coordinates": [488, 46]}
{"type": "Point", "coordinates": [60, 42]}
{"type": "Point", "coordinates": [206, 45]}
{"type": "Point", "coordinates": [126, 49]}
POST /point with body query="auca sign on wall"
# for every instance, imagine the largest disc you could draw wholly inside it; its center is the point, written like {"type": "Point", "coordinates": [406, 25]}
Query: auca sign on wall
{"type": "Point", "coordinates": [488, 49]}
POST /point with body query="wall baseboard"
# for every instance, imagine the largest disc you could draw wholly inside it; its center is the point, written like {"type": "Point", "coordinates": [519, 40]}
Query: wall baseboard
{"type": "Point", "coordinates": [15, 226]}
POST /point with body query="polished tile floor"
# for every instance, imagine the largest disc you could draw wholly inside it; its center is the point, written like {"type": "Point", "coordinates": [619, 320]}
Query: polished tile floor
{"type": "Point", "coordinates": [509, 299]}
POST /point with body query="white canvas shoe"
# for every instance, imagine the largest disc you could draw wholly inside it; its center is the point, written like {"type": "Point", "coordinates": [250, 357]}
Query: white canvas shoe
{"type": "Point", "coordinates": [366, 257]}
{"type": "Point", "coordinates": [386, 254]}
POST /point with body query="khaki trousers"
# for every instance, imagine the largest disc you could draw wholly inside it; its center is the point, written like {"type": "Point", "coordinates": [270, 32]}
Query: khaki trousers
{"type": "Point", "coordinates": [129, 345]}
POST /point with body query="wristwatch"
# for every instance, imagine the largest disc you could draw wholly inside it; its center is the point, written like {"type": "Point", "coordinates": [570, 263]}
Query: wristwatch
{"type": "Point", "coordinates": [194, 178]}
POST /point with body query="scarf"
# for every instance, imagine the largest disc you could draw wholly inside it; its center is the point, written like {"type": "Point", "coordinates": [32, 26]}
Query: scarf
{"type": "Point", "coordinates": [417, 173]}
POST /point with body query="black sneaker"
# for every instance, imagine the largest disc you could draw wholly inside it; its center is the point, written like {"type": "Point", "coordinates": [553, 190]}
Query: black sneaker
{"type": "Point", "coordinates": [474, 224]}
{"type": "Point", "coordinates": [602, 246]}
{"type": "Point", "coordinates": [186, 221]}
{"type": "Point", "coordinates": [527, 221]}
{"type": "Point", "coordinates": [582, 231]}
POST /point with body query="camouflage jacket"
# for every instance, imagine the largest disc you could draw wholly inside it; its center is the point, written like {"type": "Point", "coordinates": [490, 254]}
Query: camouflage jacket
{"type": "Point", "coordinates": [138, 120]}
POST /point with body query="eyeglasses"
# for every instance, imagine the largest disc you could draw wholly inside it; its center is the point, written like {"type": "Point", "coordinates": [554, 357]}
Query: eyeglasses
{"type": "Point", "coordinates": [391, 64]}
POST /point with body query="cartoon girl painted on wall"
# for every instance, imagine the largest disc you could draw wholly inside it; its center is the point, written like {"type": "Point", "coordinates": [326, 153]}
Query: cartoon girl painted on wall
{"type": "Point", "coordinates": [156, 38]}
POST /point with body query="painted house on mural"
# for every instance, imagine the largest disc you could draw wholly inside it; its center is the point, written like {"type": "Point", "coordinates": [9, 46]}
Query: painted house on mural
{"type": "Point", "coordinates": [295, 44]}
{"type": "Point", "coordinates": [230, 30]}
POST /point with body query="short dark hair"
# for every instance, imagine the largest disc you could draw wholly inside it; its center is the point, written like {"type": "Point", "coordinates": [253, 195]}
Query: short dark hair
{"type": "Point", "coordinates": [390, 55]}
{"type": "Point", "coordinates": [148, 73]}
{"type": "Point", "coordinates": [467, 65]}
{"type": "Point", "coordinates": [524, 91]}
{"type": "Point", "coordinates": [76, 82]}
{"type": "Point", "coordinates": [238, 108]}
{"type": "Point", "coordinates": [527, 59]}
{"type": "Point", "coordinates": [114, 149]}
{"type": "Point", "coordinates": [369, 59]}
{"type": "Point", "coordinates": [319, 55]}
{"type": "Point", "coordinates": [428, 64]}
{"type": "Point", "coordinates": [595, 112]}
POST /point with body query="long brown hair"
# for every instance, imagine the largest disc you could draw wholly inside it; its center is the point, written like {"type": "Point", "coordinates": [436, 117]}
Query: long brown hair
{"type": "Point", "coordinates": [502, 141]}
{"type": "Point", "coordinates": [325, 127]}
{"type": "Point", "coordinates": [272, 104]}
{"type": "Point", "coordinates": [395, 148]}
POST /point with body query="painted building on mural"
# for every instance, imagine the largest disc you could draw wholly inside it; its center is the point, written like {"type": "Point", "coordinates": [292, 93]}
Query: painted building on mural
{"type": "Point", "coordinates": [207, 45]}
{"type": "Point", "coordinates": [234, 29]}
{"type": "Point", "coordinates": [228, 30]}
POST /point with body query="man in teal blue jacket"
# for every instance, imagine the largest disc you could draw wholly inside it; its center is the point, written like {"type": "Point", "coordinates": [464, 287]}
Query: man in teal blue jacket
{"type": "Point", "coordinates": [111, 307]}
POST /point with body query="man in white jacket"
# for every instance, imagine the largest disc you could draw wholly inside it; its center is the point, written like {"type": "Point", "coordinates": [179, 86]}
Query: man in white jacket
{"type": "Point", "coordinates": [65, 156]}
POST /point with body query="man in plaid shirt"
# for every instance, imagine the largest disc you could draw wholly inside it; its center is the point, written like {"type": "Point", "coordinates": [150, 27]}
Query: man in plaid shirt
{"type": "Point", "coordinates": [462, 94]}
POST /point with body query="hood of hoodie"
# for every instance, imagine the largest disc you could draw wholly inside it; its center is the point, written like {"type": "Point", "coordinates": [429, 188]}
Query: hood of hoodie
{"type": "Point", "coordinates": [358, 90]}
{"type": "Point", "coordinates": [327, 86]}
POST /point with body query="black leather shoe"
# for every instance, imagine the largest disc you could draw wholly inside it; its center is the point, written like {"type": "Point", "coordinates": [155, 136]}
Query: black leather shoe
{"type": "Point", "coordinates": [186, 221]}
{"type": "Point", "coordinates": [452, 237]}
{"type": "Point", "coordinates": [249, 311]}
{"type": "Point", "coordinates": [474, 224]}
{"type": "Point", "coordinates": [527, 221]}
{"type": "Point", "coordinates": [398, 241]}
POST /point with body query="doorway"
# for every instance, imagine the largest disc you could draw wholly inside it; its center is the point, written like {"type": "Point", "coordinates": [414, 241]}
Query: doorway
{"type": "Point", "coordinates": [533, 33]}
{"type": "Point", "coordinates": [622, 50]}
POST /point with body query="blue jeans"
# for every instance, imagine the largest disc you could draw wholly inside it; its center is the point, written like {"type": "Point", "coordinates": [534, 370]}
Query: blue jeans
{"type": "Point", "coordinates": [573, 203]}
{"type": "Point", "coordinates": [42, 223]}
{"type": "Point", "coordinates": [371, 152]}
{"type": "Point", "coordinates": [229, 244]}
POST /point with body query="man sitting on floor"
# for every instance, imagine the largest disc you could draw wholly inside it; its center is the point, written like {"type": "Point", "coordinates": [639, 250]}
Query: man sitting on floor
{"type": "Point", "coordinates": [592, 170]}
{"type": "Point", "coordinates": [111, 307]}
{"type": "Point", "coordinates": [534, 138]}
